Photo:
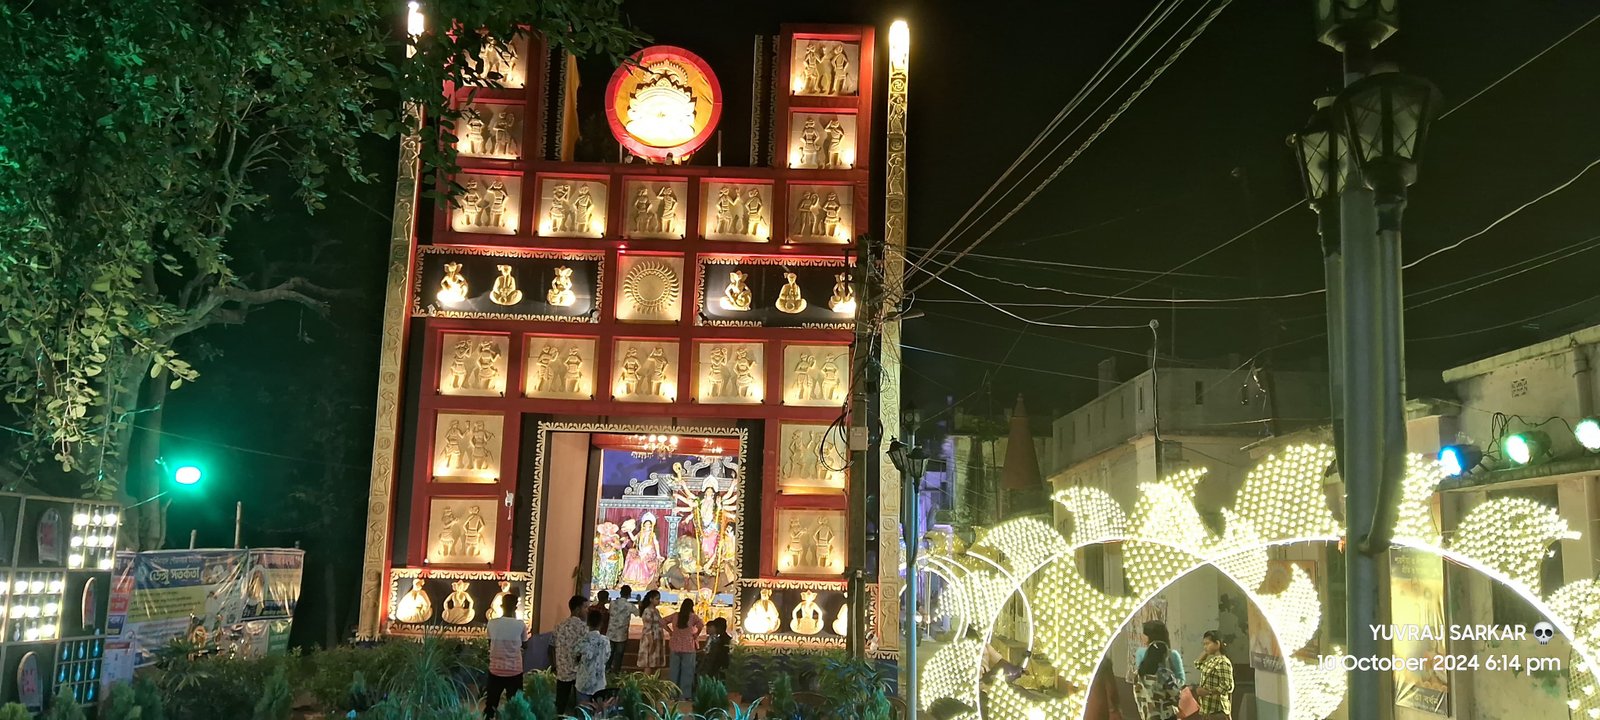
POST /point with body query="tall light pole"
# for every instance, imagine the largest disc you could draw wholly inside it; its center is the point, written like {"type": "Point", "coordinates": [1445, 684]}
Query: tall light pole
{"type": "Point", "coordinates": [912, 463]}
{"type": "Point", "coordinates": [1386, 117]}
{"type": "Point", "coordinates": [1367, 320]}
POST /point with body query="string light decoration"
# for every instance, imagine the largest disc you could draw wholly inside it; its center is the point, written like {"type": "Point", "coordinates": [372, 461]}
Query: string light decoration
{"type": "Point", "coordinates": [1499, 533]}
{"type": "Point", "coordinates": [1281, 502]}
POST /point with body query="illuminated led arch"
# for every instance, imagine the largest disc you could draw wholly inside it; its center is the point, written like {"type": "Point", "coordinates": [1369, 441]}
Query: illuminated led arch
{"type": "Point", "coordinates": [1281, 502]}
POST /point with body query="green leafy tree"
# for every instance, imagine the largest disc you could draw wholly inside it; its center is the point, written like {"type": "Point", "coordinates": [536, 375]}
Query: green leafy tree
{"type": "Point", "coordinates": [122, 703]}
{"type": "Point", "coordinates": [140, 135]}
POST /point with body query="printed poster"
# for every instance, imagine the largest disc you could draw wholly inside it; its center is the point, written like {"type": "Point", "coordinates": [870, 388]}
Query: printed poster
{"type": "Point", "coordinates": [237, 602]}
{"type": "Point", "coordinates": [1416, 586]}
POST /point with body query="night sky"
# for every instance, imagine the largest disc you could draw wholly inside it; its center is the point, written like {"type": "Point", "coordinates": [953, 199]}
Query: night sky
{"type": "Point", "coordinates": [285, 403]}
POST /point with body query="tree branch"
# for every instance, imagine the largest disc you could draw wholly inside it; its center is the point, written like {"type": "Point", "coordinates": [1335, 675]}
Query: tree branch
{"type": "Point", "coordinates": [227, 304]}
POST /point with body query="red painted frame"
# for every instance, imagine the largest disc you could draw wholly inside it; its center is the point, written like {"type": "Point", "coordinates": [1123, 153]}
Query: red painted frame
{"type": "Point", "coordinates": [531, 167]}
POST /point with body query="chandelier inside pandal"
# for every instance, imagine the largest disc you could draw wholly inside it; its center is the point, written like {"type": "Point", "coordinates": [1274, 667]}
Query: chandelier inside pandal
{"type": "Point", "coordinates": [655, 445]}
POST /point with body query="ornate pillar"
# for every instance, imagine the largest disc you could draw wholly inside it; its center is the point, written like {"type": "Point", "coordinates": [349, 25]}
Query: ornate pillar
{"type": "Point", "coordinates": [894, 254]}
{"type": "Point", "coordinates": [385, 432]}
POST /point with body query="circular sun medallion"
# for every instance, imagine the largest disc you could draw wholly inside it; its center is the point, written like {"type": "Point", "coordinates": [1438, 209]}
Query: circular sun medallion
{"type": "Point", "coordinates": [650, 286]}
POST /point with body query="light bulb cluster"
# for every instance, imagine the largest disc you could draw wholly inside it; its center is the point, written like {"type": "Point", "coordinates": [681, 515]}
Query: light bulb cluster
{"type": "Point", "coordinates": [32, 604]}
{"type": "Point", "coordinates": [948, 674]}
{"type": "Point", "coordinates": [1282, 497]}
{"type": "Point", "coordinates": [1511, 536]}
{"type": "Point", "coordinates": [1096, 516]}
{"type": "Point", "coordinates": [1317, 691]}
{"type": "Point", "coordinates": [1415, 519]}
{"type": "Point", "coordinates": [93, 543]}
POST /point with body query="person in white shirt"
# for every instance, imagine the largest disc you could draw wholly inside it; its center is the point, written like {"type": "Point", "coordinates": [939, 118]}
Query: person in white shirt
{"type": "Point", "coordinates": [507, 636]}
{"type": "Point", "coordinates": [568, 634]}
{"type": "Point", "coordinates": [622, 612]}
{"type": "Point", "coordinates": [593, 652]}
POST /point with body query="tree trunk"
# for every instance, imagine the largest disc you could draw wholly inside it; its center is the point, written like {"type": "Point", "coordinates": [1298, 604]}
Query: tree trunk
{"type": "Point", "coordinates": [143, 475]}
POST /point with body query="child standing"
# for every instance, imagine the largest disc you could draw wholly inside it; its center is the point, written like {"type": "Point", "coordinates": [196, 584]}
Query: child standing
{"type": "Point", "coordinates": [718, 646]}
{"type": "Point", "coordinates": [593, 652]}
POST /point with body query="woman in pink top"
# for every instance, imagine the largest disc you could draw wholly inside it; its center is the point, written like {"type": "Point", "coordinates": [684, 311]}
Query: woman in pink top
{"type": "Point", "coordinates": [685, 642]}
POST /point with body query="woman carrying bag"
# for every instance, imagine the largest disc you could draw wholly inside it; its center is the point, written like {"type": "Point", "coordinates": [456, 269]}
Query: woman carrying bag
{"type": "Point", "coordinates": [1159, 676]}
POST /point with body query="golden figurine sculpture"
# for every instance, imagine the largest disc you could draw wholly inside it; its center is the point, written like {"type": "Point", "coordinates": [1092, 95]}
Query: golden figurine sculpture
{"type": "Point", "coordinates": [505, 290]}
{"type": "Point", "coordinates": [807, 616]}
{"type": "Point", "coordinates": [841, 622]}
{"type": "Point", "coordinates": [795, 547]}
{"type": "Point", "coordinates": [736, 297]}
{"type": "Point", "coordinates": [844, 296]}
{"type": "Point", "coordinates": [789, 298]}
{"type": "Point", "coordinates": [824, 544]}
{"type": "Point", "coordinates": [453, 287]}
{"type": "Point", "coordinates": [458, 605]}
{"type": "Point", "coordinates": [762, 618]}
{"type": "Point", "coordinates": [497, 606]}
{"type": "Point", "coordinates": [574, 363]}
{"type": "Point", "coordinates": [561, 294]}
{"type": "Point", "coordinates": [414, 606]}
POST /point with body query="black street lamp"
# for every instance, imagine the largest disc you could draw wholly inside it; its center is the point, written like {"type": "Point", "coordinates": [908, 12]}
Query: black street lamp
{"type": "Point", "coordinates": [1323, 152]}
{"type": "Point", "coordinates": [1386, 116]}
{"type": "Point", "coordinates": [911, 462]}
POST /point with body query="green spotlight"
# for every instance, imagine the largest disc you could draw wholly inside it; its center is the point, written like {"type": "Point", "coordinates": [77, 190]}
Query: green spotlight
{"type": "Point", "coordinates": [186, 475]}
{"type": "Point", "coordinates": [1524, 447]}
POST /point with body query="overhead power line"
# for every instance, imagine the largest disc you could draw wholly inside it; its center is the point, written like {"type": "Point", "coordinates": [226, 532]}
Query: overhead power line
{"type": "Point", "coordinates": [1104, 125]}
{"type": "Point", "coordinates": [1134, 39]}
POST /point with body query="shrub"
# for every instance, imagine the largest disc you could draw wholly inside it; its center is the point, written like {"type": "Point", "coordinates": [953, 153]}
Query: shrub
{"type": "Point", "coordinates": [540, 687]}
{"type": "Point", "coordinates": [275, 701]}
{"type": "Point", "coordinates": [710, 696]}
{"type": "Point", "coordinates": [429, 687]}
{"type": "Point", "coordinates": [63, 707]}
{"type": "Point", "coordinates": [516, 708]}
{"type": "Point", "coordinates": [630, 699]}
{"type": "Point", "coordinates": [857, 685]}
{"type": "Point", "coordinates": [14, 711]}
{"type": "Point", "coordinates": [148, 695]}
{"type": "Point", "coordinates": [784, 706]}
{"type": "Point", "coordinates": [122, 703]}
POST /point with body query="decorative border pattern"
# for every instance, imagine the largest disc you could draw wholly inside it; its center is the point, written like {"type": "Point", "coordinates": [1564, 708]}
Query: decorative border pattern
{"type": "Point", "coordinates": [586, 256]}
{"type": "Point", "coordinates": [541, 456]}
{"type": "Point", "coordinates": [755, 101]}
{"type": "Point", "coordinates": [808, 642]}
{"type": "Point", "coordinates": [700, 320]}
{"type": "Point", "coordinates": [894, 242]}
{"type": "Point", "coordinates": [386, 428]}
{"type": "Point", "coordinates": [396, 575]}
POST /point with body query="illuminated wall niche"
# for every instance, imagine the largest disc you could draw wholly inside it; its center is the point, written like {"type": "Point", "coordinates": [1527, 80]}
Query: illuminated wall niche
{"type": "Point", "coordinates": [812, 460]}
{"type": "Point", "coordinates": [466, 447]}
{"type": "Point", "coordinates": [655, 210]}
{"type": "Point", "coordinates": [490, 130]}
{"type": "Point", "coordinates": [488, 204]}
{"type": "Point", "coordinates": [740, 211]}
{"type": "Point", "coordinates": [730, 373]}
{"type": "Point", "coordinates": [822, 141]}
{"type": "Point", "coordinates": [559, 367]}
{"type": "Point", "coordinates": [572, 207]}
{"type": "Point", "coordinates": [510, 66]}
{"type": "Point", "coordinates": [816, 375]}
{"type": "Point", "coordinates": [645, 371]}
{"type": "Point", "coordinates": [827, 68]}
{"type": "Point", "coordinates": [461, 531]}
{"type": "Point", "coordinates": [473, 364]}
{"type": "Point", "coordinates": [809, 542]}
{"type": "Point", "coordinates": [820, 213]}
{"type": "Point", "coordinates": [650, 288]}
